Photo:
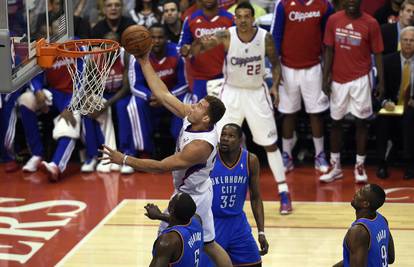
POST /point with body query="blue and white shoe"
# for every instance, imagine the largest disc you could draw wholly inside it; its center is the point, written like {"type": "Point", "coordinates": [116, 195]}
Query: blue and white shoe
{"type": "Point", "coordinates": [321, 164]}
{"type": "Point", "coordinates": [287, 162]}
{"type": "Point", "coordinates": [285, 203]}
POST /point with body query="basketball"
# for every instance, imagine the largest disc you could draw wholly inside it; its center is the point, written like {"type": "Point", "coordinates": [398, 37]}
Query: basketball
{"type": "Point", "coordinates": [136, 40]}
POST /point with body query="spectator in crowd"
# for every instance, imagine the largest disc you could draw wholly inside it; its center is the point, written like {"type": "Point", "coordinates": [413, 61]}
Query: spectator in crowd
{"type": "Point", "coordinates": [113, 21]}
{"type": "Point", "coordinates": [398, 77]}
{"type": "Point", "coordinates": [203, 22]}
{"type": "Point", "coordinates": [391, 32]}
{"type": "Point", "coordinates": [172, 23]}
{"type": "Point", "coordinates": [299, 41]}
{"type": "Point", "coordinates": [351, 37]}
{"type": "Point", "coordinates": [389, 12]}
{"type": "Point", "coordinates": [258, 10]}
{"type": "Point", "coordinates": [8, 119]}
{"type": "Point", "coordinates": [146, 12]}
{"type": "Point", "coordinates": [144, 110]}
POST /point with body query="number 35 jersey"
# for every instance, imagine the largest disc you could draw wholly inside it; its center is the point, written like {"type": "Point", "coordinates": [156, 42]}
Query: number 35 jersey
{"type": "Point", "coordinates": [230, 184]}
{"type": "Point", "coordinates": [244, 65]}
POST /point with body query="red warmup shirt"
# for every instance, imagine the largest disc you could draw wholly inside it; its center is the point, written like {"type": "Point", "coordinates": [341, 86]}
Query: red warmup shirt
{"type": "Point", "coordinates": [353, 41]}
{"type": "Point", "coordinates": [303, 30]}
{"type": "Point", "coordinates": [58, 76]}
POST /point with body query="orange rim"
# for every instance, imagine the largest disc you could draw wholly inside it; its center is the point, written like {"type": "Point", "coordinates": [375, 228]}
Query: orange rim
{"type": "Point", "coordinates": [47, 52]}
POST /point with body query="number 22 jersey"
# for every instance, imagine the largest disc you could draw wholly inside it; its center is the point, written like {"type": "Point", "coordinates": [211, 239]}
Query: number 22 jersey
{"type": "Point", "coordinates": [244, 65]}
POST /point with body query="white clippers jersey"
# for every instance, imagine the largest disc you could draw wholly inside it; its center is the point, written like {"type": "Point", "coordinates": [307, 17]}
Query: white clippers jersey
{"type": "Point", "coordinates": [196, 179]}
{"type": "Point", "coordinates": [244, 66]}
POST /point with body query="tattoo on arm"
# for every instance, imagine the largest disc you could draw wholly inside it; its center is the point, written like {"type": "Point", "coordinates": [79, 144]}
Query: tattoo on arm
{"type": "Point", "coordinates": [221, 35]}
{"type": "Point", "coordinates": [273, 57]}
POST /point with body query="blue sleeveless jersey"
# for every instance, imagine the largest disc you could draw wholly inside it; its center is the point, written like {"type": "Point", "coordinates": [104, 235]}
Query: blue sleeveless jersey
{"type": "Point", "coordinates": [192, 238]}
{"type": "Point", "coordinates": [379, 237]}
{"type": "Point", "coordinates": [230, 185]}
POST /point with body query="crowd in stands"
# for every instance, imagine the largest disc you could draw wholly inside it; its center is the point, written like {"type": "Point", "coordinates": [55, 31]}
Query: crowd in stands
{"type": "Point", "coordinates": [138, 118]}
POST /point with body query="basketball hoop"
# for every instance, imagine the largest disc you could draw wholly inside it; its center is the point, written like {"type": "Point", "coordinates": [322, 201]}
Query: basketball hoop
{"type": "Point", "coordinates": [89, 63]}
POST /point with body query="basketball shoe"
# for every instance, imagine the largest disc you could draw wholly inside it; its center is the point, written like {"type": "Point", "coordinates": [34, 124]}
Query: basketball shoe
{"type": "Point", "coordinates": [285, 203]}
{"type": "Point", "coordinates": [89, 165]}
{"type": "Point", "coordinates": [32, 164]}
{"type": "Point", "coordinates": [52, 170]}
{"type": "Point", "coordinates": [287, 162]}
{"type": "Point", "coordinates": [333, 174]}
{"type": "Point", "coordinates": [360, 174]}
{"type": "Point", "coordinates": [321, 164]}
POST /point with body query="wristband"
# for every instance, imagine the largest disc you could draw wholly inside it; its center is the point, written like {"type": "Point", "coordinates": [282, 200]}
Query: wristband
{"type": "Point", "coordinates": [261, 233]}
{"type": "Point", "coordinates": [124, 159]}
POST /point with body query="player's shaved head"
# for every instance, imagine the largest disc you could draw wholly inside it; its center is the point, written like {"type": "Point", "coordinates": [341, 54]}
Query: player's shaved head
{"type": "Point", "coordinates": [236, 128]}
{"type": "Point", "coordinates": [375, 196]}
{"type": "Point", "coordinates": [182, 207]}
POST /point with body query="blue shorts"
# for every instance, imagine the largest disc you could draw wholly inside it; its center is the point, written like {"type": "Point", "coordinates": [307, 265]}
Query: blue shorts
{"type": "Point", "coordinates": [234, 234]}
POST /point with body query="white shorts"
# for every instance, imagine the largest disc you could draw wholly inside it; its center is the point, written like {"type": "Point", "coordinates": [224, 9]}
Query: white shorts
{"type": "Point", "coordinates": [353, 97]}
{"type": "Point", "coordinates": [303, 84]}
{"type": "Point", "coordinates": [203, 203]}
{"type": "Point", "coordinates": [254, 105]}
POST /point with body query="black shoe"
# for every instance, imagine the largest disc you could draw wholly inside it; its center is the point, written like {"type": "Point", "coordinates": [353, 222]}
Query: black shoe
{"type": "Point", "coordinates": [382, 172]}
{"type": "Point", "coordinates": [408, 174]}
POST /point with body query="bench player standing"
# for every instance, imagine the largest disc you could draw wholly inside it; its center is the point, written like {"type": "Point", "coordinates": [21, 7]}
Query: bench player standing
{"type": "Point", "coordinates": [297, 29]}
{"type": "Point", "coordinates": [351, 37]}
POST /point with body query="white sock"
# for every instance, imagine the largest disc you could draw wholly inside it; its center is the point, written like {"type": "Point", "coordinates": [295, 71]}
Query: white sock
{"type": "Point", "coordinates": [287, 145]}
{"type": "Point", "coordinates": [336, 160]}
{"type": "Point", "coordinates": [276, 166]}
{"type": "Point", "coordinates": [360, 160]}
{"type": "Point", "coordinates": [318, 143]}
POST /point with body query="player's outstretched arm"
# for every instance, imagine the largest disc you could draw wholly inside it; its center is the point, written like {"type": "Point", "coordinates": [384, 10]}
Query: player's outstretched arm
{"type": "Point", "coordinates": [357, 240]}
{"type": "Point", "coordinates": [154, 213]}
{"type": "Point", "coordinates": [208, 42]}
{"type": "Point", "coordinates": [160, 90]}
{"type": "Point", "coordinates": [256, 201]}
{"type": "Point", "coordinates": [196, 152]}
{"type": "Point", "coordinates": [167, 249]}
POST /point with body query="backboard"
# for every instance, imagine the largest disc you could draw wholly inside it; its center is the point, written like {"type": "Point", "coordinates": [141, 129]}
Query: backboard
{"type": "Point", "coordinates": [22, 23]}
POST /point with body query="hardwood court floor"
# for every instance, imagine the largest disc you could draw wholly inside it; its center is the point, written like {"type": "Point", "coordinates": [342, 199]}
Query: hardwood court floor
{"type": "Point", "coordinates": [97, 219]}
{"type": "Point", "coordinates": [311, 236]}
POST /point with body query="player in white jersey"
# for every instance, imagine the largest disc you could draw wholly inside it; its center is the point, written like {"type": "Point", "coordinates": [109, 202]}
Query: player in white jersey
{"type": "Point", "coordinates": [245, 93]}
{"type": "Point", "coordinates": [194, 156]}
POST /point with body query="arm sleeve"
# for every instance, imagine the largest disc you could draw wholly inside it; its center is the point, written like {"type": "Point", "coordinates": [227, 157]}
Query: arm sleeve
{"type": "Point", "coordinates": [181, 87]}
{"type": "Point", "coordinates": [186, 36]}
{"type": "Point", "coordinates": [278, 25]}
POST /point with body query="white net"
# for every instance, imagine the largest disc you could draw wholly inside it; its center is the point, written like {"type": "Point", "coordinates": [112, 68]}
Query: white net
{"type": "Point", "coordinates": [89, 73]}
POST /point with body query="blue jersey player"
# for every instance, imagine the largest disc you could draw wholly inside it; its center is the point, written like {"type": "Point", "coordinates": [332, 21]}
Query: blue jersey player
{"type": "Point", "coordinates": [181, 243]}
{"type": "Point", "coordinates": [235, 172]}
{"type": "Point", "coordinates": [368, 242]}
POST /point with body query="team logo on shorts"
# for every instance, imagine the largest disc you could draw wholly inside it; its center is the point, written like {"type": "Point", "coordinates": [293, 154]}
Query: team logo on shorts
{"type": "Point", "coordinates": [272, 133]}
